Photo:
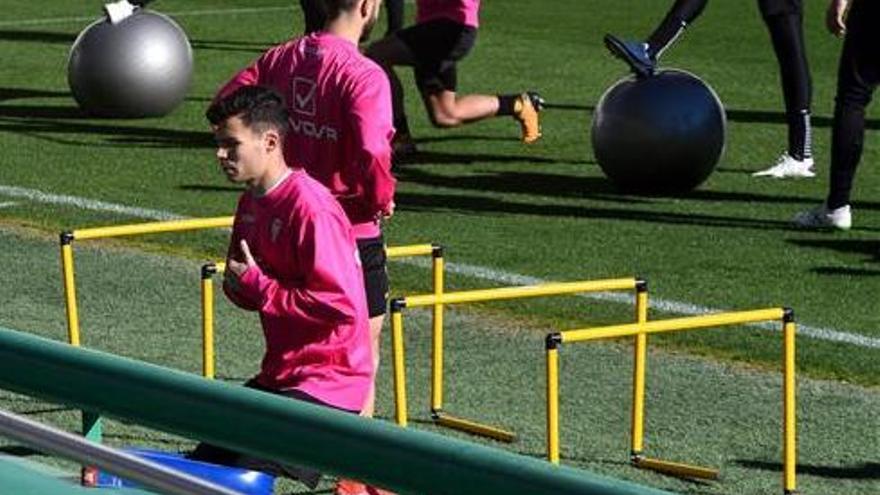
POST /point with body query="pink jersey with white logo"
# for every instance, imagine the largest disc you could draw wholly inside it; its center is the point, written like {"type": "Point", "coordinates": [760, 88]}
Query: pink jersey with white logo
{"type": "Point", "coordinates": [465, 12]}
{"type": "Point", "coordinates": [340, 113]}
{"type": "Point", "coordinates": [308, 289]}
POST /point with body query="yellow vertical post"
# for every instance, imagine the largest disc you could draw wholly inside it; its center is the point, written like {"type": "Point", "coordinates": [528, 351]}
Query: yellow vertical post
{"type": "Point", "coordinates": [400, 406]}
{"type": "Point", "coordinates": [437, 323]}
{"type": "Point", "coordinates": [208, 271]}
{"type": "Point", "coordinates": [789, 405]}
{"type": "Point", "coordinates": [639, 364]}
{"type": "Point", "coordinates": [552, 346]}
{"type": "Point", "coordinates": [69, 288]}
{"type": "Point", "coordinates": [92, 426]}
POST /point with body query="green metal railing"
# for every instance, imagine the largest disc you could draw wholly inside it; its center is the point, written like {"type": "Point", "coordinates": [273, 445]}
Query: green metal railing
{"type": "Point", "coordinates": [261, 424]}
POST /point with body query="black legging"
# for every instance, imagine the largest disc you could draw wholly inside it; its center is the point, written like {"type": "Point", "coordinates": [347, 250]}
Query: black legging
{"type": "Point", "coordinates": [784, 20]}
{"type": "Point", "coordinates": [315, 17]}
{"type": "Point", "coordinates": [858, 75]}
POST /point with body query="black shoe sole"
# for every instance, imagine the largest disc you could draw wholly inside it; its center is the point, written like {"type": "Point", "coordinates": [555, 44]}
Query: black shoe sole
{"type": "Point", "coordinates": [617, 48]}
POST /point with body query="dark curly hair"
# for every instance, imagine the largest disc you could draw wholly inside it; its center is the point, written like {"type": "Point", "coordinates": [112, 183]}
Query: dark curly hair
{"type": "Point", "coordinates": [259, 108]}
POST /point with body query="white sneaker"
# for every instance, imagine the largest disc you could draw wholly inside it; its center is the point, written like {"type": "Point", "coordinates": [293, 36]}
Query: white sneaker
{"type": "Point", "coordinates": [823, 218]}
{"type": "Point", "coordinates": [788, 167]}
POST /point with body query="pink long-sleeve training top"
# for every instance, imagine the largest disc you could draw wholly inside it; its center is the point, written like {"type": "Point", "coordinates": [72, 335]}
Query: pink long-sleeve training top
{"type": "Point", "coordinates": [308, 289]}
{"type": "Point", "coordinates": [341, 119]}
{"type": "Point", "coordinates": [465, 12]}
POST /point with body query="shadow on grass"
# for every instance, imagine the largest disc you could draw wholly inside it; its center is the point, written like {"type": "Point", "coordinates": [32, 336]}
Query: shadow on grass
{"type": "Point", "coordinates": [867, 247]}
{"type": "Point", "coordinates": [569, 106]}
{"type": "Point", "coordinates": [37, 36]}
{"type": "Point", "coordinates": [560, 185]}
{"type": "Point", "coordinates": [446, 202]}
{"type": "Point", "coordinates": [44, 112]}
{"type": "Point", "coordinates": [866, 471]}
{"type": "Point", "coordinates": [735, 115]}
{"type": "Point", "coordinates": [767, 117]}
{"type": "Point", "coordinates": [443, 158]}
{"type": "Point", "coordinates": [37, 124]}
{"type": "Point", "coordinates": [535, 183]}
{"type": "Point", "coordinates": [22, 93]}
{"type": "Point", "coordinates": [19, 451]}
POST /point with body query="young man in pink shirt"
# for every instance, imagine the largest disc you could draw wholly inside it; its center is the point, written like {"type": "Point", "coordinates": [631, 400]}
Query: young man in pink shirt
{"type": "Point", "coordinates": [445, 31]}
{"type": "Point", "coordinates": [340, 114]}
{"type": "Point", "coordinates": [292, 258]}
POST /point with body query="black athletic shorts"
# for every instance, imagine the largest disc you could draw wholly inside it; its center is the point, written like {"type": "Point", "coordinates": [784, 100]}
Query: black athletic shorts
{"type": "Point", "coordinates": [373, 262]}
{"type": "Point", "coordinates": [437, 46]}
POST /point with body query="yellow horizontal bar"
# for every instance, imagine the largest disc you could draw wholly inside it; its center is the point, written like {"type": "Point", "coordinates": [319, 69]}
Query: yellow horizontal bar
{"type": "Point", "coordinates": [474, 427]}
{"type": "Point", "coordinates": [411, 250]}
{"type": "Point", "coordinates": [153, 227]}
{"type": "Point", "coordinates": [676, 468]}
{"type": "Point", "coordinates": [520, 292]}
{"type": "Point", "coordinates": [392, 252]}
{"type": "Point", "coordinates": [673, 324]}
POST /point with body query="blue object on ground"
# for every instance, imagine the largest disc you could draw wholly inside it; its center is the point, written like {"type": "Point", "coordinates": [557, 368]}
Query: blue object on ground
{"type": "Point", "coordinates": [241, 480]}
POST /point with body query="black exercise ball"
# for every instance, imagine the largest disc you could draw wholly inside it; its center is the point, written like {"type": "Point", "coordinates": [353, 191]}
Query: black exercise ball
{"type": "Point", "coordinates": [659, 134]}
{"type": "Point", "coordinates": [138, 67]}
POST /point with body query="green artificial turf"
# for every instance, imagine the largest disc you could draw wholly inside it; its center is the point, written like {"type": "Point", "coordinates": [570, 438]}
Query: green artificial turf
{"type": "Point", "coordinates": [698, 411]}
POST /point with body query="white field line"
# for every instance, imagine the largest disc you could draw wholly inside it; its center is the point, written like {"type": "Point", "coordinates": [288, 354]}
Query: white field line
{"type": "Point", "coordinates": [86, 204]}
{"type": "Point", "coordinates": [662, 305]}
{"type": "Point", "coordinates": [185, 13]}
{"type": "Point", "coordinates": [476, 271]}
{"type": "Point", "coordinates": [7, 204]}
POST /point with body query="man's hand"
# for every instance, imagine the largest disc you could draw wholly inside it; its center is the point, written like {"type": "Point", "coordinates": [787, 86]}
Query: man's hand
{"type": "Point", "coordinates": [238, 267]}
{"type": "Point", "coordinates": [388, 212]}
{"type": "Point", "coordinates": [835, 17]}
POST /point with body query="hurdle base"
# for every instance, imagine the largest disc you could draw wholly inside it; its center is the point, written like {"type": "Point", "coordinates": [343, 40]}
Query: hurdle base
{"type": "Point", "coordinates": [676, 469]}
{"type": "Point", "coordinates": [472, 427]}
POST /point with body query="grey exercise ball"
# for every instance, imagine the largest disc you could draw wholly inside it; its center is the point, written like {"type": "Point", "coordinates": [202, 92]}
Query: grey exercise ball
{"type": "Point", "coordinates": [140, 67]}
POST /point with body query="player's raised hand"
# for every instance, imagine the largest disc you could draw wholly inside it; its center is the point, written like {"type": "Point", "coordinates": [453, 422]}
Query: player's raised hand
{"type": "Point", "coordinates": [238, 267]}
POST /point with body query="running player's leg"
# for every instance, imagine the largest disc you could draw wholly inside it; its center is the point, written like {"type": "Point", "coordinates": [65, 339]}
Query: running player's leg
{"type": "Point", "coordinates": [439, 45]}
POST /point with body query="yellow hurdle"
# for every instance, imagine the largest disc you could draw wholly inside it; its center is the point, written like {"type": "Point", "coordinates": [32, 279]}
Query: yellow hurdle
{"type": "Point", "coordinates": [217, 267]}
{"type": "Point", "coordinates": [640, 331]}
{"type": "Point", "coordinates": [92, 424]}
{"type": "Point", "coordinates": [67, 266]}
{"type": "Point", "coordinates": [438, 300]}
